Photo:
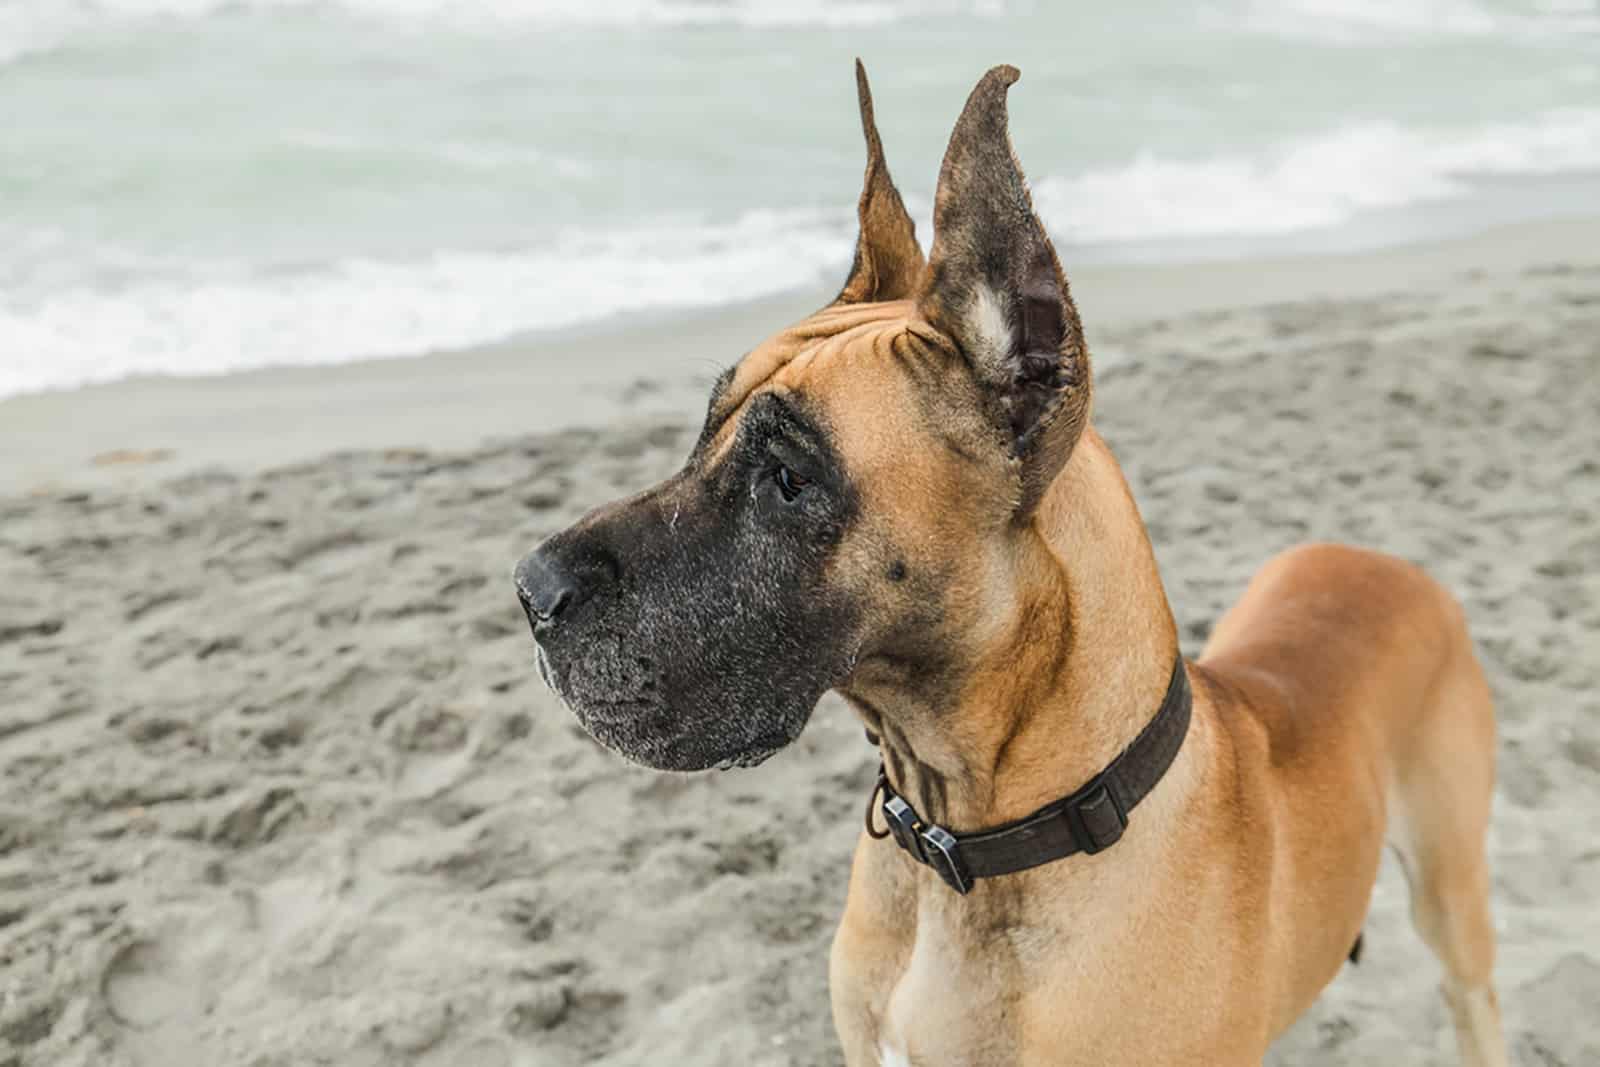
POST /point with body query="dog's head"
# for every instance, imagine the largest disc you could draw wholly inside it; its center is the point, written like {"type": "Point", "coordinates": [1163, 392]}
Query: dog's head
{"type": "Point", "coordinates": [855, 512]}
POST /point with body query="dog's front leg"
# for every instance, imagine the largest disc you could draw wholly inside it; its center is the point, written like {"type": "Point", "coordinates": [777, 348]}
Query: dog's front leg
{"type": "Point", "coordinates": [869, 955]}
{"type": "Point", "coordinates": [852, 1018]}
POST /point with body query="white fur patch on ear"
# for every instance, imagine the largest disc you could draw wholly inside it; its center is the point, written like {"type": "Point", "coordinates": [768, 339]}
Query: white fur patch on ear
{"type": "Point", "coordinates": [990, 332]}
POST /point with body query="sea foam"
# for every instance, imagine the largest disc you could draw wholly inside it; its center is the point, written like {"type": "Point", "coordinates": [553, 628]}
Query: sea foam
{"type": "Point", "coordinates": [227, 319]}
{"type": "Point", "coordinates": [1310, 182]}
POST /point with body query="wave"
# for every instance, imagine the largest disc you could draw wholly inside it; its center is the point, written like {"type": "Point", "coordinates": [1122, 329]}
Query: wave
{"type": "Point", "coordinates": [1359, 21]}
{"type": "Point", "coordinates": [746, 13]}
{"type": "Point", "coordinates": [29, 27]}
{"type": "Point", "coordinates": [1311, 182]}
{"type": "Point", "coordinates": [115, 316]}
{"type": "Point", "coordinates": [224, 320]}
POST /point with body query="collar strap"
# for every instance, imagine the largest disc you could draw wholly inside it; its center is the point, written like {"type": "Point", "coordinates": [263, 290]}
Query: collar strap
{"type": "Point", "coordinates": [1090, 820]}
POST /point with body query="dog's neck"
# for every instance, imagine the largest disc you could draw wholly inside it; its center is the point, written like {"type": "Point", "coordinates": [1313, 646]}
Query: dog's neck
{"type": "Point", "coordinates": [1076, 671]}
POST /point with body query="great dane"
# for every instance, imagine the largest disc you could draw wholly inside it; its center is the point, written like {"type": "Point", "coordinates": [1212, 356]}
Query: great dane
{"type": "Point", "coordinates": [1082, 849]}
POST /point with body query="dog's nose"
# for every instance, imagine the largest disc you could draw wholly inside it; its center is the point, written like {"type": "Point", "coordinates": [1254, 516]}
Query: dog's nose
{"type": "Point", "coordinates": [552, 581]}
{"type": "Point", "coordinates": [546, 587]}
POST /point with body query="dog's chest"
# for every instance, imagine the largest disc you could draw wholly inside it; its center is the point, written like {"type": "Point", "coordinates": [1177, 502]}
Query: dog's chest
{"type": "Point", "coordinates": [890, 1056]}
{"type": "Point", "coordinates": [1011, 986]}
{"type": "Point", "coordinates": [945, 1010]}
{"type": "Point", "coordinates": [932, 1037]}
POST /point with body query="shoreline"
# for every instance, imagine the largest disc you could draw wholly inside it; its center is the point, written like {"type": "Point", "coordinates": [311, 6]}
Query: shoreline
{"type": "Point", "coordinates": [655, 364]}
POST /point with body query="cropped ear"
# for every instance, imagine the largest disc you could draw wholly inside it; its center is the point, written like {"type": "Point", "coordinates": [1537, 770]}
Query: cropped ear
{"type": "Point", "coordinates": [995, 287]}
{"type": "Point", "coordinates": [888, 259]}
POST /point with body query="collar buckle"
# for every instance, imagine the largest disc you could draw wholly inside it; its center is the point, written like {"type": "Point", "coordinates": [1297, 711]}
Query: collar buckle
{"type": "Point", "coordinates": [942, 852]}
{"type": "Point", "coordinates": [903, 824]}
{"type": "Point", "coordinates": [1096, 819]}
{"type": "Point", "coordinates": [931, 845]}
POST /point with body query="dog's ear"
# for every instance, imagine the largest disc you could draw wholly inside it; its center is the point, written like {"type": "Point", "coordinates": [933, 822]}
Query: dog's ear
{"type": "Point", "coordinates": [994, 286]}
{"type": "Point", "coordinates": [888, 259]}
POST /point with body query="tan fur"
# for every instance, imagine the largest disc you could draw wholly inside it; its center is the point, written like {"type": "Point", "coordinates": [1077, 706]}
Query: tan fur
{"type": "Point", "coordinates": [1338, 707]}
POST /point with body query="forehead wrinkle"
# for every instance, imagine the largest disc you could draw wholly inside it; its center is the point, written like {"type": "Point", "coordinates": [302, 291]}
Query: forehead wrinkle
{"type": "Point", "coordinates": [821, 333]}
{"type": "Point", "coordinates": [872, 382]}
{"type": "Point", "coordinates": [873, 393]}
{"type": "Point", "coordinates": [791, 374]}
{"type": "Point", "coordinates": [905, 422]}
{"type": "Point", "coordinates": [878, 333]}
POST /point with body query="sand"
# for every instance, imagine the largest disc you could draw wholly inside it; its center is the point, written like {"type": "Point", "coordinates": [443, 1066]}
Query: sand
{"type": "Point", "coordinates": [279, 786]}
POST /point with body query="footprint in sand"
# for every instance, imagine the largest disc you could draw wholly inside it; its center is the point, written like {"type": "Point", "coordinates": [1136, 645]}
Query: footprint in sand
{"type": "Point", "coordinates": [1551, 1004]}
{"type": "Point", "coordinates": [143, 987]}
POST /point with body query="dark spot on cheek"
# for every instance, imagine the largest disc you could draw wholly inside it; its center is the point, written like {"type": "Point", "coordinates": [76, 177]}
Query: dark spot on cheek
{"type": "Point", "coordinates": [897, 571]}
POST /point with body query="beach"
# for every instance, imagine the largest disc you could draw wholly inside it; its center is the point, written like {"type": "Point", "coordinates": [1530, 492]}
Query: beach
{"type": "Point", "coordinates": [279, 784]}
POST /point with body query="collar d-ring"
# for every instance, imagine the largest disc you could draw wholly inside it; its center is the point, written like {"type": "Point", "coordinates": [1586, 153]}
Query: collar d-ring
{"type": "Point", "coordinates": [872, 805]}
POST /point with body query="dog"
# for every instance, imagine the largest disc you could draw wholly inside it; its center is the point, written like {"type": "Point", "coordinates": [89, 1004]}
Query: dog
{"type": "Point", "coordinates": [1082, 849]}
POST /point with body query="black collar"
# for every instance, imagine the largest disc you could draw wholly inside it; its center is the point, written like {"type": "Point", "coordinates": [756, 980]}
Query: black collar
{"type": "Point", "coordinates": [1089, 820]}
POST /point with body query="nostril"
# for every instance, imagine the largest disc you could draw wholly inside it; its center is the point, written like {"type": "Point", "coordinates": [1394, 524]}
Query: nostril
{"type": "Point", "coordinates": [558, 577]}
{"type": "Point", "coordinates": [545, 588]}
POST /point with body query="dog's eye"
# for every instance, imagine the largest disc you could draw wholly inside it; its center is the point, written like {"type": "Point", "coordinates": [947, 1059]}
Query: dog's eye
{"type": "Point", "coordinates": [790, 484]}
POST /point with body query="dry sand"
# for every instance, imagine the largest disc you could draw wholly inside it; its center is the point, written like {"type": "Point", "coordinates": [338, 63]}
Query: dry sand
{"type": "Point", "coordinates": [280, 786]}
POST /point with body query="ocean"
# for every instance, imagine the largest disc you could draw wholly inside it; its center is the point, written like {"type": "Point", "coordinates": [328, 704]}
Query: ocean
{"type": "Point", "coordinates": [199, 186]}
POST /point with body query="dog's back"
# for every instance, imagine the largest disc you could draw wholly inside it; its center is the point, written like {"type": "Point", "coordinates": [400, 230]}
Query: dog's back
{"type": "Point", "coordinates": [1351, 675]}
